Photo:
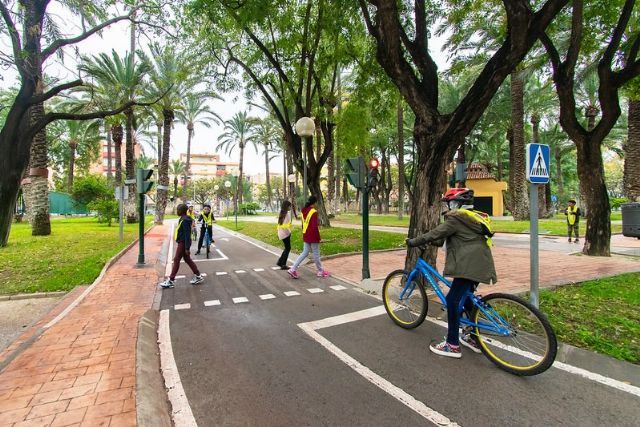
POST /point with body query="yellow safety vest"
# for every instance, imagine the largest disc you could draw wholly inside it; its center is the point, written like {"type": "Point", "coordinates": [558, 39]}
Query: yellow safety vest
{"type": "Point", "coordinates": [192, 215]}
{"type": "Point", "coordinates": [175, 234]}
{"type": "Point", "coordinates": [482, 218]}
{"type": "Point", "coordinates": [209, 219]}
{"type": "Point", "coordinates": [571, 214]}
{"type": "Point", "coordinates": [283, 226]}
{"type": "Point", "coordinates": [307, 220]}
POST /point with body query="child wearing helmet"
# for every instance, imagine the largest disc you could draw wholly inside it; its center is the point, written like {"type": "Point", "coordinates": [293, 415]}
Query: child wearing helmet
{"type": "Point", "coordinates": [469, 261]}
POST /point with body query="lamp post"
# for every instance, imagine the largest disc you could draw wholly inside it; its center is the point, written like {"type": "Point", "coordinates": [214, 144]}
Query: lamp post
{"type": "Point", "coordinates": [235, 173]}
{"type": "Point", "coordinates": [227, 185]}
{"type": "Point", "coordinates": [305, 127]}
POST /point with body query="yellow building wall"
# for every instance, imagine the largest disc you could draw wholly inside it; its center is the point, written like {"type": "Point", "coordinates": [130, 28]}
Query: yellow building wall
{"type": "Point", "coordinates": [489, 187]}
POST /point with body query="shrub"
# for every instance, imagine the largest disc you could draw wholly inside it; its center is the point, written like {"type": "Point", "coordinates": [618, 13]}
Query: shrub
{"type": "Point", "coordinates": [107, 210]}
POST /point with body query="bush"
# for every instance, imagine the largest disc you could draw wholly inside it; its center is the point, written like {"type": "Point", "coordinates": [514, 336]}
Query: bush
{"type": "Point", "coordinates": [107, 210]}
{"type": "Point", "coordinates": [248, 208]}
{"type": "Point", "coordinates": [616, 202]}
{"type": "Point", "coordinates": [88, 188]}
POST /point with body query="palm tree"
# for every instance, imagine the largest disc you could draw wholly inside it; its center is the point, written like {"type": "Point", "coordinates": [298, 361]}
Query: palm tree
{"type": "Point", "coordinates": [238, 131]}
{"type": "Point", "coordinates": [122, 78]}
{"type": "Point", "coordinates": [82, 137]}
{"type": "Point", "coordinates": [176, 169]}
{"type": "Point", "coordinates": [267, 134]}
{"type": "Point", "coordinates": [168, 80]}
{"type": "Point", "coordinates": [195, 112]}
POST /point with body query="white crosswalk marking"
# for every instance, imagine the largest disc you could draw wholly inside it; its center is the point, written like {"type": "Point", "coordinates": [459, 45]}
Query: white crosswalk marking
{"type": "Point", "coordinates": [267, 296]}
{"type": "Point", "coordinates": [337, 287]}
{"type": "Point", "coordinates": [315, 290]}
{"type": "Point", "coordinates": [275, 268]}
{"type": "Point", "coordinates": [239, 300]}
{"type": "Point", "coordinates": [240, 271]}
{"type": "Point", "coordinates": [185, 306]}
{"type": "Point", "coordinates": [221, 273]}
{"type": "Point", "coordinates": [258, 269]}
{"type": "Point", "coordinates": [212, 302]}
{"type": "Point", "coordinates": [291, 293]}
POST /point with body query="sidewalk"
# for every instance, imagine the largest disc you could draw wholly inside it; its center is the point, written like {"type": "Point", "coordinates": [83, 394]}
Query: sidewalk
{"type": "Point", "coordinates": [512, 267]}
{"type": "Point", "coordinates": [81, 370]}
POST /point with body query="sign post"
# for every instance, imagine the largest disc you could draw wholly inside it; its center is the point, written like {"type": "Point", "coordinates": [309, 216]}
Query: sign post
{"type": "Point", "coordinates": [537, 173]}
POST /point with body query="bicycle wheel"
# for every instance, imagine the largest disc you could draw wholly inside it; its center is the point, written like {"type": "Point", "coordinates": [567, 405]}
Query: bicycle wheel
{"type": "Point", "coordinates": [207, 243]}
{"type": "Point", "coordinates": [527, 345]}
{"type": "Point", "coordinates": [410, 311]}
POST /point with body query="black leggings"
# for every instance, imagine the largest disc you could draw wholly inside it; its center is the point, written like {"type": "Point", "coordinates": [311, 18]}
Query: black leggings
{"type": "Point", "coordinates": [459, 287]}
{"type": "Point", "coordinates": [282, 261]}
{"type": "Point", "coordinates": [201, 239]}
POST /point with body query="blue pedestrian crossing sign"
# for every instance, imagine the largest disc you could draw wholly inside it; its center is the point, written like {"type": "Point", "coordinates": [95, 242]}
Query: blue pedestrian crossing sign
{"type": "Point", "coordinates": [538, 163]}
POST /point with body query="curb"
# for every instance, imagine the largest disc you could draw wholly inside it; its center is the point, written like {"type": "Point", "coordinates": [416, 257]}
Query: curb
{"type": "Point", "coordinates": [152, 407]}
{"type": "Point", "coordinates": [34, 295]}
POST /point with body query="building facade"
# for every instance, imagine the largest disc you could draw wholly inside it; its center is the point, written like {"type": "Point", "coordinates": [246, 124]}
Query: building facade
{"type": "Point", "coordinates": [207, 165]}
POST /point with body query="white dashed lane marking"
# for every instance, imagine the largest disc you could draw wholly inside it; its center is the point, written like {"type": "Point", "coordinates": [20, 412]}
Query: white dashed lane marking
{"type": "Point", "coordinates": [185, 306]}
{"type": "Point", "coordinates": [337, 287]}
{"type": "Point", "coordinates": [267, 296]}
{"type": "Point", "coordinates": [239, 300]}
{"type": "Point", "coordinates": [221, 273]}
{"type": "Point", "coordinates": [240, 271]}
{"type": "Point", "coordinates": [315, 290]}
{"type": "Point", "coordinates": [291, 293]}
{"type": "Point", "coordinates": [212, 302]}
{"type": "Point", "coordinates": [258, 269]}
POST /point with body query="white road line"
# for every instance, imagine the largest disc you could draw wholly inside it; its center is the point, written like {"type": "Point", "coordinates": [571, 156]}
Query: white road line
{"type": "Point", "coordinates": [267, 296]}
{"type": "Point", "coordinates": [258, 269]}
{"type": "Point", "coordinates": [180, 409]}
{"type": "Point", "coordinates": [212, 302]}
{"type": "Point", "coordinates": [405, 398]}
{"type": "Point", "coordinates": [291, 293]}
{"type": "Point", "coordinates": [275, 268]}
{"type": "Point", "coordinates": [613, 383]}
{"type": "Point", "coordinates": [221, 273]}
{"type": "Point", "coordinates": [168, 266]}
{"type": "Point", "coordinates": [180, 277]}
{"type": "Point", "coordinates": [184, 306]}
{"type": "Point", "coordinates": [240, 300]}
{"type": "Point", "coordinates": [240, 271]}
{"type": "Point", "coordinates": [338, 287]}
{"type": "Point", "coordinates": [315, 290]}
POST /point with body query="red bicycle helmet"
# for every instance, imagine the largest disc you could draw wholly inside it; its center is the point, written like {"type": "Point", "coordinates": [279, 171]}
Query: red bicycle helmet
{"type": "Point", "coordinates": [463, 196]}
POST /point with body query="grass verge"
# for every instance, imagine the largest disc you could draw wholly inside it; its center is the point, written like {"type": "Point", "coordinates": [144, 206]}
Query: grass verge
{"type": "Point", "coordinates": [334, 240]}
{"type": "Point", "coordinates": [599, 315]}
{"type": "Point", "coordinates": [74, 254]}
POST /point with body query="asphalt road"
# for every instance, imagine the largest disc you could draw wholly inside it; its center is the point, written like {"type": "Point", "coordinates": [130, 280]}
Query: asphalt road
{"type": "Point", "coordinates": [250, 363]}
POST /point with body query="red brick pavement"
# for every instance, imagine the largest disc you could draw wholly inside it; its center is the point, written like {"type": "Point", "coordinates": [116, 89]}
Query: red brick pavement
{"type": "Point", "coordinates": [512, 266]}
{"type": "Point", "coordinates": [81, 371]}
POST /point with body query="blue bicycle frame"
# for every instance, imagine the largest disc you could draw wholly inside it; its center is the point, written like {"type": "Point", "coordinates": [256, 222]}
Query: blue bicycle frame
{"type": "Point", "coordinates": [498, 325]}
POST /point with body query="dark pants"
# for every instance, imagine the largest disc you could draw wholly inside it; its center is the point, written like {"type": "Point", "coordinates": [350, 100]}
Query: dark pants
{"type": "Point", "coordinates": [573, 228]}
{"type": "Point", "coordinates": [201, 239]}
{"type": "Point", "coordinates": [282, 261]}
{"type": "Point", "coordinates": [459, 287]}
{"type": "Point", "coordinates": [181, 253]}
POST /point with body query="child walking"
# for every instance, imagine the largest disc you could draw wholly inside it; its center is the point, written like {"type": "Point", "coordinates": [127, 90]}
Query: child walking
{"type": "Point", "coordinates": [284, 233]}
{"type": "Point", "coordinates": [182, 237]}
{"type": "Point", "coordinates": [311, 239]}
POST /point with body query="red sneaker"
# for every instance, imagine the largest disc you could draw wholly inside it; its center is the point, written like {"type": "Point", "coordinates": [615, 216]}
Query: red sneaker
{"type": "Point", "coordinates": [293, 273]}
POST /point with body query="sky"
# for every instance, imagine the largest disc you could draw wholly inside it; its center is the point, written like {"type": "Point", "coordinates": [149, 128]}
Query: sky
{"type": "Point", "coordinates": [205, 140]}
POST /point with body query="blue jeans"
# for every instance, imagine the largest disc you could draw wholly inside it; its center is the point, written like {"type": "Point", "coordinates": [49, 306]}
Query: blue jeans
{"type": "Point", "coordinates": [308, 247]}
{"type": "Point", "coordinates": [459, 287]}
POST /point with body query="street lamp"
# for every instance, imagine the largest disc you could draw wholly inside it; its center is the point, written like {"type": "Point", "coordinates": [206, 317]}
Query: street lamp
{"type": "Point", "coordinates": [227, 185]}
{"type": "Point", "coordinates": [305, 127]}
{"type": "Point", "coordinates": [235, 173]}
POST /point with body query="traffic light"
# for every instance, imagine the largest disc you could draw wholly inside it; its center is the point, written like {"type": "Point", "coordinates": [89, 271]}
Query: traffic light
{"type": "Point", "coordinates": [372, 176]}
{"type": "Point", "coordinates": [142, 180]}
{"type": "Point", "coordinates": [356, 173]}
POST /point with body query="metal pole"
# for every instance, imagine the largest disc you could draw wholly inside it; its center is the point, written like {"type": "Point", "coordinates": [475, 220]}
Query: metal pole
{"type": "Point", "coordinates": [306, 156]}
{"type": "Point", "coordinates": [365, 232]}
{"type": "Point", "coordinates": [533, 235]}
{"type": "Point", "coordinates": [141, 230]}
{"type": "Point", "coordinates": [121, 213]}
{"type": "Point", "coordinates": [235, 203]}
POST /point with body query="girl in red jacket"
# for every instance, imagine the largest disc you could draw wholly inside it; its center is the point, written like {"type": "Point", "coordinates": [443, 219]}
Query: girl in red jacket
{"type": "Point", "coordinates": [311, 238]}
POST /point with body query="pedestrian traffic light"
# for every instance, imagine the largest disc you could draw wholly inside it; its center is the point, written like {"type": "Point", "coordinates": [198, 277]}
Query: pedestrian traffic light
{"type": "Point", "coordinates": [142, 180]}
{"type": "Point", "coordinates": [356, 173]}
{"type": "Point", "coordinates": [372, 176]}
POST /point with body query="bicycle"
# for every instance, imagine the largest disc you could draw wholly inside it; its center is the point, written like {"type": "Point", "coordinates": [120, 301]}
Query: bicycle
{"type": "Point", "coordinates": [510, 332]}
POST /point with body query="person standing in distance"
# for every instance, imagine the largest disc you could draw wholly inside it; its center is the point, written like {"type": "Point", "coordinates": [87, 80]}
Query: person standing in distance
{"type": "Point", "coordinates": [206, 219]}
{"type": "Point", "coordinates": [573, 220]}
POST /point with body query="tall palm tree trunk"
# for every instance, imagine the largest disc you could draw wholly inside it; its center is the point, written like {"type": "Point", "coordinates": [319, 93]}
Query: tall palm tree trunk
{"type": "Point", "coordinates": [130, 206]}
{"type": "Point", "coordinates": [187, 167]}
{"type": "Point", "coordinates": [72, 161]}
{"type": "Point", "coordinates": [37, 189]}
{"type": "Point", "coordinates": [116, 132]}
{"type": "Point", "coordinates": [239, 186]}
{"type": "Point", "coordinates": [631, 177]}
{"type": "Point", "coordinates": [518, 187]}
{"type": "Point", "coordinates": [557, 152]}
{"type": "Point", "coordinates": [268, 178]}
{"type": "Point", "coordinates": [109, 156]}
{"type": "Point", "coordinates": [159, 140]}
{"type": "Point", "coordinates": [163, 178]}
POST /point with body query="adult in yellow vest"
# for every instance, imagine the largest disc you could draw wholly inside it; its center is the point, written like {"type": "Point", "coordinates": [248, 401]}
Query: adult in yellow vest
{"type": "Point", "coordinates": [284, 233]}
{"type": "Point", "coordinates": [311, 239]}
{"type": "Point", "coordinates": [206, 220]}
{"type": "Point", "coordinates": [573, 220]}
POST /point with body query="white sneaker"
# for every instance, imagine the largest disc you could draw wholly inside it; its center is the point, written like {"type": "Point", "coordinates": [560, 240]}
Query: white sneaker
{"type": "Point", "coordinates": [167, 284]}
{"type": "Point", "coordinates": [469, 341]}
{"type": "Point", "coordinates": [196, 280]}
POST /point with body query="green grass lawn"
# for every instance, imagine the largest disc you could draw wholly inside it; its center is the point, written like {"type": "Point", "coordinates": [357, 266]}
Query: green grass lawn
{"type": "Point", "coordinates": [334, 240]}
{"type": "Point", "coordinates": [556, 226]}
{"type": "Point", "coordinates": [599, 315]}
{"type": "Point", "coordinates": [72, 255]}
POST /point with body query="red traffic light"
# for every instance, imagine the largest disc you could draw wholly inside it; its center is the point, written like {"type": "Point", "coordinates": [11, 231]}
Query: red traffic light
{"type": "Point", "coordinates": [374, 163]}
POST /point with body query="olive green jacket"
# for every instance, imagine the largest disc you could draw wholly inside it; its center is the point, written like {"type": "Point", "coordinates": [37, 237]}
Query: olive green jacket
{"type": "Point", "coordinates": [468, 255]}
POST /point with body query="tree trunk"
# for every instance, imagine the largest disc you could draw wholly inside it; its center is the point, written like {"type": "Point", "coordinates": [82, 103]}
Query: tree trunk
{"type": "Point", "coordinates": [591, 175]}
{"type": "Point", "coordinates": [387, 184]}
{"type": "Point", "coordinates": [131, 205]}
{"type": "Point", "coordinates": [331, 184]}
{"type": "Point", "coordinates": [239, 186]}
{"type": "Point", "coordinates": [518, 188]}
{"type": "Point", "coordinates": [116, 132]}
{"type": "Point", "coordinates": [187, 168]}
{"type": "Point", "coordinates": [500, 166]}
{"type": "Point", "coordinates": [109, 156]}
{"type": "Point", "coordinates": [268, 181]}
{"type": "Point", "coordinates": [159, 142]}
{"type": "Point", "coordinates": [72, 161]}
{"type": "Point", "coordinates": [631, 179]}
{"type": "Point", "coordinates": [557, 152]}
{"type": "Point", "coordinates": [38, 189]}
{"type": "Point", "coordinates": [175, 187]}
{"type": "Point", "coordinates": [163, 178]}
{"type": "Point", "coordinates": [401, 172]}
